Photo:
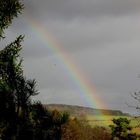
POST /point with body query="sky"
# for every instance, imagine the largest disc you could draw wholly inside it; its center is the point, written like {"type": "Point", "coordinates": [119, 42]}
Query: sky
{"type": "Point", "coordinates": [102, 39]}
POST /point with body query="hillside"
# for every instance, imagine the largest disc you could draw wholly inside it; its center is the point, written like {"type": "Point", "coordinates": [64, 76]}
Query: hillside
{"type": "Point", "coordinates": [81, 111]}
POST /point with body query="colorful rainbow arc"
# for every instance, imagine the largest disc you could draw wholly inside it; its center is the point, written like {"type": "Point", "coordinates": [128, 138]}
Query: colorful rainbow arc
{"type": "Point", "coordinates": [87, 91]}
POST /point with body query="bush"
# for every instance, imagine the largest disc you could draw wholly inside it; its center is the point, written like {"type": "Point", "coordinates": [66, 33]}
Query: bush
{"type": "Point", "coordinates": [122, 129]}
{"type": "Point", "coordinates": [80, 130]}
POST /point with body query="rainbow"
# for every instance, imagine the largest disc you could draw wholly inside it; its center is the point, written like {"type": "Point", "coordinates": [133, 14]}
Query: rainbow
{"type": "Point", "coordinates": [86, 89]}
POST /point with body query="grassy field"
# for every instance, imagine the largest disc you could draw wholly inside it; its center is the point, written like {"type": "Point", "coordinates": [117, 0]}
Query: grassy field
{"type": "Point", "coordinates": [90, 115]}
{"type": "Point", "coordinates": [106, 120]}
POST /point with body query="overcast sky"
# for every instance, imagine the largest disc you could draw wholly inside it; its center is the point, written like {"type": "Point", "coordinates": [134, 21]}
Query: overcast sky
{"type": "Point", "coordinates": [101, 36]}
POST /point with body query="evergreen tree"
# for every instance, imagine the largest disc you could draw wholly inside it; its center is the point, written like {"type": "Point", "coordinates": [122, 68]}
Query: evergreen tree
{"type": "Point", "coordinates": [15, 90]}
{"type": "Point", "coordinates": [19, 118]}
{"type": "Point", "coordinates": [9, 9]}
{"type": "Point", "coordinates": [122, 129]}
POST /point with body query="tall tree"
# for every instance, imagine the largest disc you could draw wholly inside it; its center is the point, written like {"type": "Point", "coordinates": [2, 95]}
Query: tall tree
{"type": "Point", "coordinates": [15, 89]}
{"type": "Point", "coordinates": [8, 10]}
{"type": "Point", "coordinates": [19, 119]}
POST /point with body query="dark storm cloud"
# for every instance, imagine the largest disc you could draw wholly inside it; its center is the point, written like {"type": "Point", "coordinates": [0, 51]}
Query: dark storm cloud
{"type": "Point", "coordinates": [87, 34]}
{"type": "Point", "coordinates": [70, 9]}
{"type": "Point", "coordinates": [101, 36]}
{"type": "Point", "coordinates": [80, 24]}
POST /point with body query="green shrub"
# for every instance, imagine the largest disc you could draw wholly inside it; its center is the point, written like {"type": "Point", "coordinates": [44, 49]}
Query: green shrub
{"type": "Point", "coordinates": [122, 129]}
{"type": "Point", "coordinates": [80, 130]}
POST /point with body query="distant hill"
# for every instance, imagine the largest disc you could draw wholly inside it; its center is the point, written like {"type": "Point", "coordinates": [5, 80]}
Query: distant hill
{"type": "Point", "coordinates": [81, 111]}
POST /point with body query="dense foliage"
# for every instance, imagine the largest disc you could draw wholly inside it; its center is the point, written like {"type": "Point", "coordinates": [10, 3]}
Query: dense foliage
{"type": "Point", "coordinates": [21, 119]}
{"type": "Point", "coordinates": [122, 129]}
{"type": "Point", "coordinates": [8, 10]}
{"type": "Point", "coordinates": [76, 129]}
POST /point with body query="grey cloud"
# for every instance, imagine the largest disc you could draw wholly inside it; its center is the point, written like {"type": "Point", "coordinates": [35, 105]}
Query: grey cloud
{"type": "Point", "coordinates": [119, 64]}
{"type": "Point", "coordinates": [49, 72]}
{"type": "Point", "coordinates": [48, 96]}
{"type": "Point", "coordinates": [102, 38]}
{"type": "Point", "coordinates": [65, 9]}
{"type": "Point", "coordinates": [87, 34]}
{"type": "Point", "coordinates": [79, 33]}
{"type": "Point", "coordinates": [77, 36]}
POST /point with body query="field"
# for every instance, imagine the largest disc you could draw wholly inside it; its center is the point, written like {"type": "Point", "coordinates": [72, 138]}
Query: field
{"type": "Point", "coordinates": [106, 120]}
{"type": "Point", "coordinates": [92, 118]}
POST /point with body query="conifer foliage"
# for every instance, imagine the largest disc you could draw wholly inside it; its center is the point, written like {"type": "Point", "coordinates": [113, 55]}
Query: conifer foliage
{"type": "Point", "coordinates": [21, 119]}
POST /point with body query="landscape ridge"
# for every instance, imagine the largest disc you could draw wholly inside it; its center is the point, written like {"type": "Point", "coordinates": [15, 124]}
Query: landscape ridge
{"type": "Point", "coordinates": [77, 110]}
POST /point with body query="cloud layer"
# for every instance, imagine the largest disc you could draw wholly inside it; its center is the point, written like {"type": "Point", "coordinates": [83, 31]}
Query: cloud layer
{"type": "Point", "coordinates": [101, 36]}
